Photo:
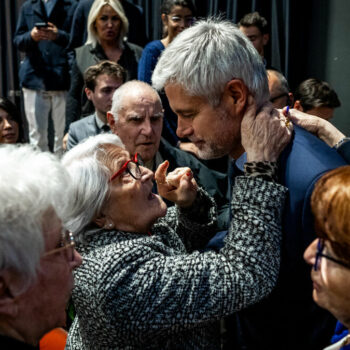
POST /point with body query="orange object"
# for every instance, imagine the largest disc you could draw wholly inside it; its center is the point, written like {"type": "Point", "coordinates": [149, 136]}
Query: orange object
{"type": "Point", "coordinates": [54, 340]}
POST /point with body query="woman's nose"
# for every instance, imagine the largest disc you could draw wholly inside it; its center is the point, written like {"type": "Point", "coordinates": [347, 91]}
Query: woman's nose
{"type": "Point", "coordinates": [310, 253]}
{"type": "Point", "coordinates": [146, 174]}
{"type": "Point", "coordinates": [7, 124]}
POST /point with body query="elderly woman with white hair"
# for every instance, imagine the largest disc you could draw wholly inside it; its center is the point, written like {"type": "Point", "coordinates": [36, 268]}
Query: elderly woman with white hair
{"type": "Point", "coordinates": [107, 28]}
{"type": "Point", "coordinates": [144, 283]}
{"type": "Point", "coordinates": [37, 253]}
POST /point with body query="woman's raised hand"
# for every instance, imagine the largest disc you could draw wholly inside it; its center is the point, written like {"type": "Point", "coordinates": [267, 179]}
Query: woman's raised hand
{"type": "Point", "coordinates": [178, 186]}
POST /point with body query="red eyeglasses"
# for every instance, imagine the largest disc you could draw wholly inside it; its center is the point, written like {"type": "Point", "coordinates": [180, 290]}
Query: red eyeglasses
{"type": "Point", "coordinates": [131, 166]}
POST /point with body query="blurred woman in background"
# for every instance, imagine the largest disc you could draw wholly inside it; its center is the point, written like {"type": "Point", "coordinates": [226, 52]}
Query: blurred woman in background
{"type": "Point", "coordinates": [11, 127]}
{"type": "Point", "coordinates": [107, 28]}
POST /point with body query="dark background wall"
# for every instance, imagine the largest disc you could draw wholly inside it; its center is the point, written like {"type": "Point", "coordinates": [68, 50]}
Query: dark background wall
{"type": "Point", "coordinates": [309, 38]}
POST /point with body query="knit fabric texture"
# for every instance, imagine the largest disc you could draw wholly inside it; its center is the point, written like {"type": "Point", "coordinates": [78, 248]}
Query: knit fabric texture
{"type": "Point", "coordinates": [135, 291]}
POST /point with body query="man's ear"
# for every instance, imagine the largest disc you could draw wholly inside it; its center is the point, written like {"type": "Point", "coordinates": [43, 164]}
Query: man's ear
{"type": "Point", "coordinates": [88, 93]}
{"type": "Point", "coordinates": [290, 99]}
{"type": "Point", "coordinates": [9, 284]}
{"type": "Point", "coordinates": [266, 38]}
{"type": "Point", "coordinates": [237, 94]}
{"type": "Point", "coordinates": [111, 121]}
{"type": "Point", "coordinates": [298, 106]}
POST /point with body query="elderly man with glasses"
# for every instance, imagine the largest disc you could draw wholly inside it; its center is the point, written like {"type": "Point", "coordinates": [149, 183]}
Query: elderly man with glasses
{"type": "Point", "coordinates": [37, 254]}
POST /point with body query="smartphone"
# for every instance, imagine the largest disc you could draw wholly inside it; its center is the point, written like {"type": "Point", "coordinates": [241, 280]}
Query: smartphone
{"type": "Point", "coordinates": [40, 24]}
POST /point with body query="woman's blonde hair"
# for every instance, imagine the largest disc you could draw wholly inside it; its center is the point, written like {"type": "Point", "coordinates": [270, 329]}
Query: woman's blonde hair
{"type": "Point", "coordinates": [95, 10]}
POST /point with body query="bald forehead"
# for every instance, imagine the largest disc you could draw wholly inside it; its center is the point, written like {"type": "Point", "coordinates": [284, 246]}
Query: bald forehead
{"type": "Point", "coordinates": [139, 95]}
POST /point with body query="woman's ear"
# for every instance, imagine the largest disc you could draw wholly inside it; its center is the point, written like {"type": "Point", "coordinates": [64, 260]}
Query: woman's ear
{"type": "Point", "coordinates": [9, 284]}
{"type": "Point", "coordinates": [164, 18]}
{"type": "Point", "coordinates": [105, 222]}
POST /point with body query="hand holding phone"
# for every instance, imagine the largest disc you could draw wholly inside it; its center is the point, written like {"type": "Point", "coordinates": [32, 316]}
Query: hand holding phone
{"type": "Point", "coordinates": [40, 25]}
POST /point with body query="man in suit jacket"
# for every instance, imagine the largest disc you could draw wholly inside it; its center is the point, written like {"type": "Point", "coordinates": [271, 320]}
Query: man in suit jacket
{"type": "Point", "coordinates": [101, 81]}
{"type": "Point", "coordinates": [42, 33]}
{"type": "Point", "coordinates": [213, 76]}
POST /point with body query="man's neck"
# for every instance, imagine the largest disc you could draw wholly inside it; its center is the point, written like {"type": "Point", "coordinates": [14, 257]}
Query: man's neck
{"type": "Point", "coordinates": [237, 152]}
{"type": "Point", "coordinates": [102, 117]}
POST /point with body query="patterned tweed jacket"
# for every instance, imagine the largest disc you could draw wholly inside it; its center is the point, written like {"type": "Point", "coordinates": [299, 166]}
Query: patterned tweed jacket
{"type": "Point", "coordinates": [135, 291]}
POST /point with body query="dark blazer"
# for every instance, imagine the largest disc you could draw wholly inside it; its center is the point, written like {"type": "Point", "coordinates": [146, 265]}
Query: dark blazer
{"type": "Point", "coordinates": [82, 129]}
{"type": "Point", "coordinates": [289, 318]}
{"type": "Point", "coordinates": [344, 151]}
{"type": "Point", "coordinates": [45, 66]}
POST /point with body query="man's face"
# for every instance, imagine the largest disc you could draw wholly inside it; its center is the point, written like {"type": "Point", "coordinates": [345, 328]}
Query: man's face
{"type": "Point", "coordinates": [258, 39]}
{"type": "Point", "coordinates": [278, 98]}
{"type": "Point", "coordinates": [102, 95]}
{"type": "Point", "coordinates": [42, 307]}
{"type": "Point", "coordinates": [214, 131]}
{"type": "Point", "coordinates": [140, 123]}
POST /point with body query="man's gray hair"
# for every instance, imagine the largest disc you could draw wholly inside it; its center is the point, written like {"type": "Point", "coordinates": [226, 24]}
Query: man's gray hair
{"type": "Point", "coordinates": [203, 58]}
{"type": "Point", "coordinates": [89, 178]}
{"type": "Point", "coordinates": [31, 184]}
{"type": "Point", "coordinates": [125, 90]}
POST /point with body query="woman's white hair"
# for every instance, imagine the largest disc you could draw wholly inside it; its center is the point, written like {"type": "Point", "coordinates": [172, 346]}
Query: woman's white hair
{"type": "Point", "coordinates": [204, 57]}
{"type": "Point", "coordinates": [95, 10]}
{"type": "Point", "coordinates": [89, 180]}
{"type": "Point", "coordinates": [32, 183]}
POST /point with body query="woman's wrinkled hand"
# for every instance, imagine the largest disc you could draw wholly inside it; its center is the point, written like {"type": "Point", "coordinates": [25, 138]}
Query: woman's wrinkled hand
{"type": "Point", "coordinates": [322, 128]}
{"type": "Point", "coordinates": [266, 134]}
{"type": "Point", "coordinates": [178, 186]}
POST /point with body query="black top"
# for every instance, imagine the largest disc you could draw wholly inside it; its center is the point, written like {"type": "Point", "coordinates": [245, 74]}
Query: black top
{"type": "Point", "coordinates": [7, 343]}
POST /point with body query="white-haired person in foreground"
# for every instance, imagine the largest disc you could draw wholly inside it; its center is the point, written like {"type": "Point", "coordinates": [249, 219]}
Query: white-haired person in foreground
{"type": "Point", "coordinates": [211, 74]}
{"type": "Point", "coordinates": [144, 283]}
{"type": "Point", "coordinates": [37, 253]}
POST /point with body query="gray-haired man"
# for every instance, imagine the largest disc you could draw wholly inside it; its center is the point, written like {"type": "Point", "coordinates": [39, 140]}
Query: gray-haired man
{"type": "Point", "coordinates": [211, 74]}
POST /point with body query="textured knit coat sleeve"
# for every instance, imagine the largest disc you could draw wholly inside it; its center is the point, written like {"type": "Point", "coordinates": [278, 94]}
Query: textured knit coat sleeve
{"type": "Point", "coordinates": [150, 293]}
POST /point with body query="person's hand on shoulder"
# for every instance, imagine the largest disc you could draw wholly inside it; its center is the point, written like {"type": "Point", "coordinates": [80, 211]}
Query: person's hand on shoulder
{"type": "Point", "coordinates": [322, 128]}
{"type": "Point", "coordinates": [178, 186]}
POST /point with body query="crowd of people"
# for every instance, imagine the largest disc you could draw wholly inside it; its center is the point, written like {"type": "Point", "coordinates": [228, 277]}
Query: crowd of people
{"type": "Point", "coordinates": [129, 224]}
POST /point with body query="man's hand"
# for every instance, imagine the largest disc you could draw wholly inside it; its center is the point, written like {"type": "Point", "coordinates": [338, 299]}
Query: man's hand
{"type": "Point", "coordinates": [179, 186]}
{"type": "Point", "coordinates": [266, 134]}
{"type": "Point", "coordinates": [48, 33]}
{"type": "Point", "coordinates": [317, 126]}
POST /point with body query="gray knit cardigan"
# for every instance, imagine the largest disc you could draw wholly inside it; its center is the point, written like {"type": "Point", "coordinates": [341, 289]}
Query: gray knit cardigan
{"type": "Point", "coordinates": [135, 291]}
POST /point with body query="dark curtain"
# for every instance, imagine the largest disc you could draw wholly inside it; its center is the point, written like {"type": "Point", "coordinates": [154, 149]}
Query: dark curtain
{"type": "Point", "coordinates": [277, 12]}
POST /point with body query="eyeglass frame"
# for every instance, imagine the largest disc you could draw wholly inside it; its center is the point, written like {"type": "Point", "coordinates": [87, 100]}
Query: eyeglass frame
{"type": "Point", "coordinates": [66, 245]}
{"type": "Point", "coordinates": [273, 99]}
{"type": "Point", "coordinates": [319, 255]}
{"type": "Point", "coordinates": [124, 168]}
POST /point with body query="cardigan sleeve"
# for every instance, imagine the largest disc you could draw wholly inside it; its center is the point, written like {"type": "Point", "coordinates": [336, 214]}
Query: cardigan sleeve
{"type": "Point", "coordinates": [180, 291]}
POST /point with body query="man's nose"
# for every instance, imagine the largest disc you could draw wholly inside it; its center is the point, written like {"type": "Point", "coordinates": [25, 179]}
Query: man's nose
{"type": "Point", "coordinates": [147, 128]}
{"type": "Point", "coordinates": [184, 128]}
